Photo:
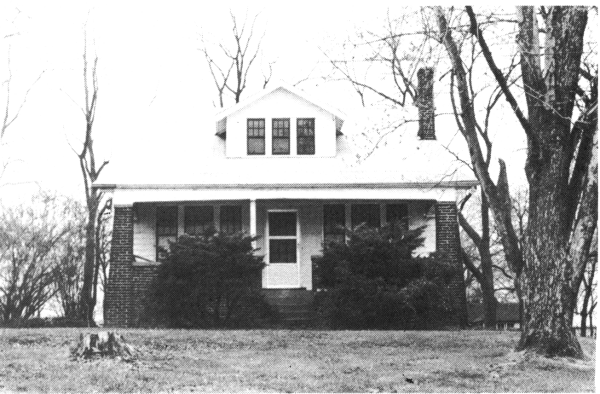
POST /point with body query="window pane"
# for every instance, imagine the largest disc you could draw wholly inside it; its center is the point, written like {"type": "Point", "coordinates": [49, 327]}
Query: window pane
{"type": "Point", "coordinates": [166, 221]}
{"type": "Point", "coordinates": [306, 145]}
{"type": "Point", "coordinates": [334, 221]}
{"type": "Point", "coordinates": [366, 213]}
{"type": "Point", "coordinates": [256, 136]}
{"type": "Point", "coordinates": [198, 220]}
{"type": "Point", "coordinates": [281, 127]}
{"type": "Point", "coordinates": [281, 146]}
{"type": "Point", "coordinates": [397, 213]}
{"type": "Point", "coordinates": [256, 146]}
{"type": "Point", "coordinates": [282, 250]}
{"type": "Point", "coordinates": [305, 128]}
{"type": "Point", "coordinates": [231, 218]}
{"type": "Point", "coordinates": [282, 223]}
{"type": "Point", "coordinates": [256, 127]}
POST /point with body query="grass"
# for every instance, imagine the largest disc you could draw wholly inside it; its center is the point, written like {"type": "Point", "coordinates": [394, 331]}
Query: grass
{"type": "Point", "coordinates": [291, 361]}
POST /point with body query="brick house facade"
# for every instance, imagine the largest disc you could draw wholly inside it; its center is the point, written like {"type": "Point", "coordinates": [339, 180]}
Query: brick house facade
{"type": "Point", "coordinates": [283, 157]}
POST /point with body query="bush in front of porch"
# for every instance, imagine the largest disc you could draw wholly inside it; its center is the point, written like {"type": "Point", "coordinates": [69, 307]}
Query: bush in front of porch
{"type": "Point", "coordinates": [373, 281]}
{"type": "Point", "coordinates": [210, 280]}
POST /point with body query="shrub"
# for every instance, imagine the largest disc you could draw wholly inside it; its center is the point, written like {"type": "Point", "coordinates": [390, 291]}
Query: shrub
{"type": "Point", "coordinates": [212, 280]}
{"type": "Point", "coordinates": [373, 281]}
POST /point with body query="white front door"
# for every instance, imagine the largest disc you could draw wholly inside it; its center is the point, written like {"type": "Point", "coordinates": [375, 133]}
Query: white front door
{"type": "Point", "coordinates": [283, 239]}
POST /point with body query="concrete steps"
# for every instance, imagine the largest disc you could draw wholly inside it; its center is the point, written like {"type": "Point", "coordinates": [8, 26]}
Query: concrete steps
{"type": "Point", "coordinates": [294, 306]}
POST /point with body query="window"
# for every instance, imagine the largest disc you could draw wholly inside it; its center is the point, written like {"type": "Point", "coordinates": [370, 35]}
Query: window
{"type": "Point", "coordinates": [197, 220]}
{"type": "Point", "coordinates": [256, 136]}
{"type": "Point", "coordinates": [397, 214]}
{"type": "Point", "coordinates": [231, 218]}
{"type": "Point", "coordinates": [305, 129]}
{"type": "Point", "coordinates": [334, 222]}
{"type": "Point", "coordinates": [166, 230]}
{"type": "Point", "coordinates": [282, 237]}
{"type": "Point", "coordinates": [281, 136]}
{"type": "Point", "coordinates": [367, 214]}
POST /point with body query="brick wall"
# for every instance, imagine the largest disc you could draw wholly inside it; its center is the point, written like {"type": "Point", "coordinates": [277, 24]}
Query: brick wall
{"type": "Point", "coordinates": [118, 289]}
{"type": "Point", "coordinates": [448, 245]}
{"type": "Point", "coordinates": [128, 284]}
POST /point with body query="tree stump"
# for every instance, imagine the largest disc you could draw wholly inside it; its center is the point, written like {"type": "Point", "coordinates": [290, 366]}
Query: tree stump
{"type": "Point", "coordinates": [103, 344]}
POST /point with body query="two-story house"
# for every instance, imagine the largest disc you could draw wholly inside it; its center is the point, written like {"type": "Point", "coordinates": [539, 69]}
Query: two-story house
{"type": "Point", "coordinates": [282, 168]}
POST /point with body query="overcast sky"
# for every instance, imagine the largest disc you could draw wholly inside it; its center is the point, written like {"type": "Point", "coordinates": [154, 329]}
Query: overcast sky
{"type": "Point", "coordinates": [155, 89]}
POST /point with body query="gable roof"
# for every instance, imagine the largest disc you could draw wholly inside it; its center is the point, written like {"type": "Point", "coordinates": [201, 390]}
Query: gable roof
{"type": "Point", "coordinates": [221, 117]}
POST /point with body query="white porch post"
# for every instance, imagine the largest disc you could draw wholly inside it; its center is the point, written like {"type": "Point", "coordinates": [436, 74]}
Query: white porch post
{"type": "Point", "coordinates": [253, 221]}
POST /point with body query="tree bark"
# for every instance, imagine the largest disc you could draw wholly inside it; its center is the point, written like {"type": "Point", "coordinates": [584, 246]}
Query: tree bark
{"type": "Point", "coordinates": [548, 275]}
{"type": "Point", "coordinates": [87, 290]}
{"type": "Point", "coordinates": [485, 273]}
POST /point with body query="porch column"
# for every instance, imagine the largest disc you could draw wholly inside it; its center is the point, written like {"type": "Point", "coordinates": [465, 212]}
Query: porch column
{"type": "Point", "coordinates": [253, 221]}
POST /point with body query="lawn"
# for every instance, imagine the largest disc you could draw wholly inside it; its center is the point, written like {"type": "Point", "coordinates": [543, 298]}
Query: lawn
{"type": "Point", "coordinates": [286, 361]}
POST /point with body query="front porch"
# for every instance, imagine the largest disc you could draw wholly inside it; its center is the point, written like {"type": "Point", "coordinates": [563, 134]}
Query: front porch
{"type": "Point", "coordinates": [289, 233]}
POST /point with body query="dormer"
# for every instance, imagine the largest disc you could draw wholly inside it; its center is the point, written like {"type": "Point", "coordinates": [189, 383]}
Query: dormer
{"type": "Point", "coordinates": [280, 122]}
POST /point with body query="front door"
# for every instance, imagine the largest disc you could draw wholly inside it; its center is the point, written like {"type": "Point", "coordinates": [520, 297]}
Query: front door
{"type": "Point", "coordinates": [283, 237]}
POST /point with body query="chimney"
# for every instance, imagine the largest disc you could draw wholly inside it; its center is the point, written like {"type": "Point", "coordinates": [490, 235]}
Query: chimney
{"type": "Point", "coordinates": [425, 104]}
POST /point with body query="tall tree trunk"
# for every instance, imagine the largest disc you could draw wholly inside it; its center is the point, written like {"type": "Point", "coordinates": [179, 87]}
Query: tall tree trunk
{"type": "Point", "coordinates": [584, 317]}
{"type": "Point", "coordinates": [487, 271]}
{"type": "Point", "coordinates": [87, 289]}
{"type": "Point", "coordinates": [548, 279]}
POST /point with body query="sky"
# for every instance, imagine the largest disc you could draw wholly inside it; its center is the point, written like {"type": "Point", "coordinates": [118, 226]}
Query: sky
{"type": "Point", "coordinates": [155, 89]}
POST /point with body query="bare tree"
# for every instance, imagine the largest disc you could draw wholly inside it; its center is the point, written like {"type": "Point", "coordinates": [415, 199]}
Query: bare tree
{"type": "Point", "coordinates": [230, 64]}
{"type": "Point", "coordinates": [563, 203]}
{"type": "Point", "coordinates": [11, 110]}
{"type": "Point", "coordinates": [393, 58]}
{"type": "Point", "coordinates": [561, 165]}
{"type": "Point", "coordinates": [90, 171]}
{"type": "Point", "coordinates": [588, 290]}
{"type": "Point", "coordinates": [69, 256]}
{"type": "Point", "coordinates": [30, 234]}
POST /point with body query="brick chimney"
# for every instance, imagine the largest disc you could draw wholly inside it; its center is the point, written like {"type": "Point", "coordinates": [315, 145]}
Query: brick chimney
{"type": "Point", "coordinates": [425, 104]}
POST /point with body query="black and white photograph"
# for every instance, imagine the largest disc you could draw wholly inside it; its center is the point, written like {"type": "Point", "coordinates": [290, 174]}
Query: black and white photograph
{"type": "Point", "coordinates": [303, 197]}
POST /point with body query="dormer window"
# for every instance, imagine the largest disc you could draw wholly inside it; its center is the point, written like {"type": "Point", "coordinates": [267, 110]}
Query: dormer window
{"type": "Point", "coordinates": [305, 128]}
{"type": "Point", "coordinates": [281, 136]}
{"type": "Point", "coordinates": [256, 136]}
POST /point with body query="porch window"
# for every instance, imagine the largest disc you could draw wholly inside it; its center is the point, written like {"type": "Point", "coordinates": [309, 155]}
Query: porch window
{"type": "Point", "coordinates": [197, 220]}
{"type": "Point", "coordinates": [166, 230]}
{"type": "Point", "coordinates": [256, 136]}
{"type": "Point", "coordinates": [397, 214]}
{"type": "Point", "coordinates": [334, 221]}
{"type": "Point", "coordinates": [231, 218]}
{"type": "Point", "coordinates": [282, 237]}
{"type": "Point", "coordinates": [367, 214]}
{"type": "Point", "coordinates": [305, 129]}
{"type": "Point", "coordinates": [281, 136]}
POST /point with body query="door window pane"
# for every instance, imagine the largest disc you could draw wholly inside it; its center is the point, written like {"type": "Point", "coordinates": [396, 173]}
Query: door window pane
{"type": "Point", "coordinates": [282, 250]}
{"type": "Point", "coordinates": [282, 224]}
